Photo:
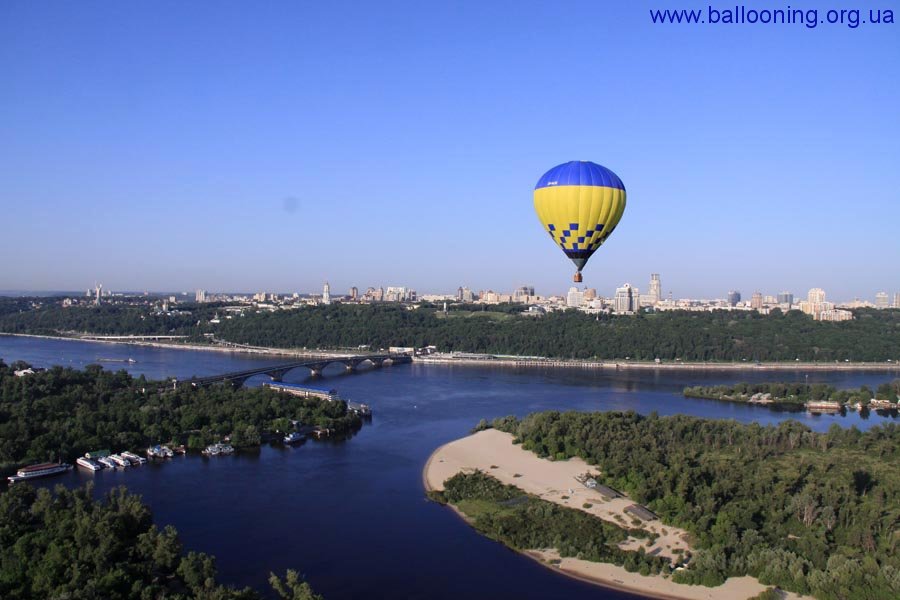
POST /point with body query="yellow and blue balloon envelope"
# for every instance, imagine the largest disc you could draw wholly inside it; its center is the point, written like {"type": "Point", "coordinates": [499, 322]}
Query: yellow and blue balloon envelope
{"type": "Point", "coordinates": [579, 203]}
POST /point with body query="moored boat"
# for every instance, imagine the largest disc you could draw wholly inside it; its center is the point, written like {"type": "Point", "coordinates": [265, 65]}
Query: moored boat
{"type": "Point", "coordinates": [106, 462]}
{"type": "Point", "coordinates": [218, 450]}
{"type": "Point", "coordinates": [134, 458]}
{"type": "Point", "coordinates": [294, 437]}
{"type": "Point", "coordinates": [87, 463]}
{"type": "Point", "coordinates": [823, 406]}
{"type": "Point", "coordinates": [159, 452]}
{"type": "Point", "coordinates": [119, 460]}
{"type": "Point", "coordinates": [40, 470]}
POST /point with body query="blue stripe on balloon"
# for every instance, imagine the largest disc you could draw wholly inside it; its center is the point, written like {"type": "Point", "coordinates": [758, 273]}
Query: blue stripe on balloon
{"type": "Point", "coordinates": [580, 172]}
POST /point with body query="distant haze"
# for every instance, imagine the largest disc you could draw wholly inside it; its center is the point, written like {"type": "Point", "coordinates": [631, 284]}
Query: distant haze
{"type": "Point", "coordinates": [274, 146]}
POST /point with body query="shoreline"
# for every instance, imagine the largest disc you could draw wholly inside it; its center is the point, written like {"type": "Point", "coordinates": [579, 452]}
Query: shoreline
{"type": "Point", "coordinates": [534, 555]}
{"type": "Point", "coordinates": [504, 361]}
{"type": "Point", "coordinates": [624, 365]}
{"type": "Point", "coordinates": [495, 454]}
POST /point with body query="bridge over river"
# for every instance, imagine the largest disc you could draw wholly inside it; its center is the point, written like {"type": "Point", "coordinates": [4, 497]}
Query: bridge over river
{"type": "Point", "coordinates": [316, 366]}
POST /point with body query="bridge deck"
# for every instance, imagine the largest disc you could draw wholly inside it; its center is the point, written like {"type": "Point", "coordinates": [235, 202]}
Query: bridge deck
{"type": "Point", "coordinates": [315, 365]}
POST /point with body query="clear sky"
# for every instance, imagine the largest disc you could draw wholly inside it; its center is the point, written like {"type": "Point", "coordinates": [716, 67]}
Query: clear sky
{"type": "Point", "coordinates": [275, 145]}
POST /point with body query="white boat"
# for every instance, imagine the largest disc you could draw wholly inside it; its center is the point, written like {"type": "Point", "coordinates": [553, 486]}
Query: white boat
{"type": "Point", "coordinates": [106, 462]}
{"type": "Point", "coordinates": [294, 437]}
{"type": "Point", "coordinates": [87, 463]}
{"type": "Point", "coordinates": [159, 452]}
{"type": "Point", "coordinates": [134, 458]}
{"type": "Point", "coordinates": [218, 450]}
{"type": "Point", "coordinates": [41, 470]}
{"type": "Point", "coordinates": [211, 450]}
{"type": "Point", "coordinates": [119, 460]}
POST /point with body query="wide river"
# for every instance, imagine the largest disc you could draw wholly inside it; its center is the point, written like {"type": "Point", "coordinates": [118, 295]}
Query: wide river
{"type": "Point", "coordinates": [352, 516]}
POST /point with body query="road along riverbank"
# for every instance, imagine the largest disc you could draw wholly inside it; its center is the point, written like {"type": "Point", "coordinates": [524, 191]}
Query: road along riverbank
{"type": "Point", "coordinates": [482, 360]}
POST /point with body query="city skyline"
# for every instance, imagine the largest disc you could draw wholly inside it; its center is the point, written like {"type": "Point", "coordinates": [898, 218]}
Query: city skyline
{"type": "Point", "coordinates": [197, 148]}
{"type": "Point", "coordinates": [656, 293]}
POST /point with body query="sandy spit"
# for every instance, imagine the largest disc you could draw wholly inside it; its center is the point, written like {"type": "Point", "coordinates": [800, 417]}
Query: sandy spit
{"type": "Point", "coordinates": [493, 452]}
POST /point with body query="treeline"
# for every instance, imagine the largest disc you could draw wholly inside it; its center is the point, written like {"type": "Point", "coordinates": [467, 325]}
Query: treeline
{"type": "Point", "coordinates": [814, 513]}
{"type": "Point", "coordinates": [874, 335]}
{"type": "Point", "coordinates": [63, 413]}
{"type": "Point", "coordinates": [65, 544]}
{"type": "Point", "coordinates": [523, 522]}
{"type": "Point", "coordinates": [797, 393]}
{"type": "Point", "coordinates": [51, 318]}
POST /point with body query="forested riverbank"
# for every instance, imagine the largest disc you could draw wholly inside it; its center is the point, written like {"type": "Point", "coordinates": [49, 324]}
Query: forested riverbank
{"type": "Point", "coordinates": [814, 513]}
{"type": "Point", "coordinates": [66, 544]}
{"type": "Point", "coordinates": [886, 395]}
{"type": "Point", "coordinates": [61, 413]}
{"type": "Point", "coordinates": [722, 336]}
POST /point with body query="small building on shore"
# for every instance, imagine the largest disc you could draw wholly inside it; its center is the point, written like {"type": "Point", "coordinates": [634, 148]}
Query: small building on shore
{"type": "Point", "coordinates": [604, 490]}
{"type": "Point", "coordinates": [303, 390]}
{"type": "Point", "coordinates": [642, 513]}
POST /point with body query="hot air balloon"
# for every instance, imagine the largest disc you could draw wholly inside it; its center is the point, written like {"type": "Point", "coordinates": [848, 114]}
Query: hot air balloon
{"type": "Point", "coordinates": [579, 203]}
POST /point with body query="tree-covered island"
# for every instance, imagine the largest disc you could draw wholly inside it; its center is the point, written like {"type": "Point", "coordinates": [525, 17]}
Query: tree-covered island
{"type": "Point", "coordinates": [61, 413]}
{"type": "Point", "coordinates": [885, 396]}
{"type": "Point", "coordinates": [813, 513]}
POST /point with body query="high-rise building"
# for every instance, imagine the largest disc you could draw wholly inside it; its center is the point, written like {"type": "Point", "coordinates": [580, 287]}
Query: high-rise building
{"type": "Point", "coordinates": [575, 298]}
{"type": "Point", "coordinates": [786, 298]}
{"type": "Point", "coordinates": [523, 294]}
{"type": "Point", "coordinates": [816, 296]}
{"type": "Point", "coordinates": [326, 294]}
{"type": "Point", "coordinates": [896, 300]}
{"type": "Point", "coordinates": [395, 294]}
{"type": "Point", "coordinates": [655, 293]}
{"type": "Point", "coordinates": [459, 294]}
{"type": "Point", "coordinates": [354, 293]}
{"type": "Point", "coordinates": [200, 296]}
{"type": "Point", "coordinates": [624, 300]}
{"type": "Point", "coordinates": [734, 297]}
{"type": "Point", "coordinates": [881, 300]}
{"type": "Point", "coordinates": [590, 294]}
{"type": "Point", "coordinates": [756, 300]}
{"type": "Point", "coordinates": [467, 295]}
{"type": "Point", "coordinates": [99, 292]}
{"type": "Point", "coordinates": [816, 306]}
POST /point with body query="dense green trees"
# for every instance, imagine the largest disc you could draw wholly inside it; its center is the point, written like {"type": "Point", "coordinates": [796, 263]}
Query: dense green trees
{"type": "Point", "coordinates": [65, 544]}
{"type": "Point", "coordinates": [62, 413]}
{"type": "Point", "coordinates": [507, 514]}
{"type": "Point", "coordinates": [796, 393]}
{"type": "Point", "coordinates": [718, 336]}
{"type": "Point", "coordinates": [809, 512]}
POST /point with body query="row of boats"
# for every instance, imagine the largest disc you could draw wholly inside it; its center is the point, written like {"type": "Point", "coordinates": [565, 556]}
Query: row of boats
{"type": "Point", "coordinates": [100, 459]}
{"type": "Point", "coordinates": [97, 460]}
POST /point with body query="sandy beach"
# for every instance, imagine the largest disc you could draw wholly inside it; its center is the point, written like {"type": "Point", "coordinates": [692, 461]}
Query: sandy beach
{"type": "Point", "coordinates": [493, 452]}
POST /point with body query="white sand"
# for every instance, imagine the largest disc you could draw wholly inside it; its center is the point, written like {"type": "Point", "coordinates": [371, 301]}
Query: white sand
{"type": "Point", "coordinates": [493, 452]}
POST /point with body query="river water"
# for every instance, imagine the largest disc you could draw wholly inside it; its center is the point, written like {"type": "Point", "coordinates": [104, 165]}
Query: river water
{"type": "Point", "coordinates": [352, 516]}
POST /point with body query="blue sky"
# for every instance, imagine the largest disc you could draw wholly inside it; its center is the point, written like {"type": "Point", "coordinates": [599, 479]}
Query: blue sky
{"type": "Point", "coordinates": [274, 145]}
